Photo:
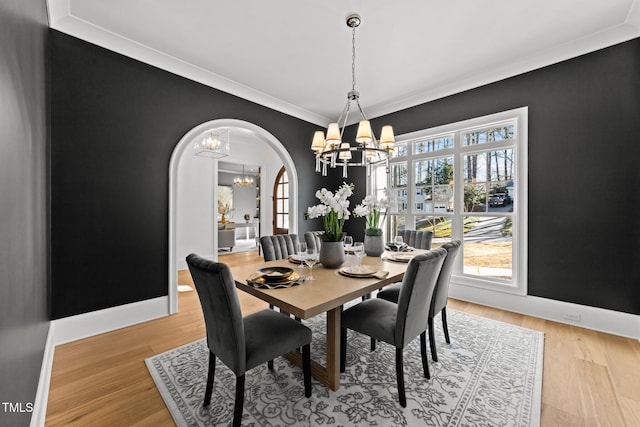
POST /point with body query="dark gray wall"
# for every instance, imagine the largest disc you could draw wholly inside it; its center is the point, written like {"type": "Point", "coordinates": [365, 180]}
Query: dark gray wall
{"type": "Point", "coordinates": [23, 204]}
{"type": "Point", "coordinates": [115, 123]}
{"type": "Point", "coordinates": [584, 181]}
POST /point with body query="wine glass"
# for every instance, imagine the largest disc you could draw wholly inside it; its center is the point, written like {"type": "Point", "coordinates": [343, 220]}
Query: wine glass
{"type": "Point", "coordinates": [302, 253]}
{"type": "Point", "coordinates": [310, 259]}
{"type": "Point", "coordinates": [347, 241]}
{"type": "Point", "coordinates": [398, 241]}
{"type": "Point", "coordinates": [358, 250]}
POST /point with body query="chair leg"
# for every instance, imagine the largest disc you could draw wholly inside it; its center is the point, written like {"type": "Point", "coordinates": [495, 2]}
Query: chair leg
{"type": "Point", "coordinates": [373, 344]}
{"type": "Point", "coordinates": [343, 349]}
{"type": "Point", "coordinates": [423, 354]}
{"type": "Point", "coordinates": [400, 378]}
{"type": "Point", "coordinates": [432, 340]}
{"type": "Point", "coordinates": [445, 328]}
{"type": "Point", "coordinates": [237, 409]}
{"type": "Point", "coordinates": [306, 369]}
{"type": "Point", "coordinates": [212, 370]}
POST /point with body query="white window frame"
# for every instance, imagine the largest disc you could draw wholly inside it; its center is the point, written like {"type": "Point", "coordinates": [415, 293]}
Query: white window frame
{"type": "Point", "coordinates": [518, 284]}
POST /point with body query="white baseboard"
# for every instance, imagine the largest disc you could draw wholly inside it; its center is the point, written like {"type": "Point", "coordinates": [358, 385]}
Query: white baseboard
{"type": "Point", "coordinates": [42, 394]}
{"type": "Point", "coordinates": [598, 319]}
{"type": "Point", "coordinates": [86, 325]}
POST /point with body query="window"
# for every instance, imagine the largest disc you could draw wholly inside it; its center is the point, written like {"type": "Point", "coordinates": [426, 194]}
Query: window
{"type": "Point", "coordinates": [467, 181]}
{"type": "Point", "coordinates": [281, 203]}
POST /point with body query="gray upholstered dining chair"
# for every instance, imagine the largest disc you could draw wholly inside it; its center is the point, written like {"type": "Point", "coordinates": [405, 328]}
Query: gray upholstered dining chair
{"type": "Point", "coordinates": [313, 239]}
{"type": "Point", "coordinates": [242, 343]}
{"type": "Point", "coordinates": [279, 246]}
{"type": "Point", "coordinates": [440, 295]}
{"type": "Point", "coordinates": [416, 239]}
{"type": "Point", "coordinates": [398, 324]}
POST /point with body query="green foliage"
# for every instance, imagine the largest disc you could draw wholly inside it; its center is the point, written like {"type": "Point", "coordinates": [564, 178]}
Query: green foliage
{"type": "Point", "coordinates": [507, 227]}
{"type": "Point", "coordinates": [473, 196]}
{"type": "Point", "coordinates": [373, 232]}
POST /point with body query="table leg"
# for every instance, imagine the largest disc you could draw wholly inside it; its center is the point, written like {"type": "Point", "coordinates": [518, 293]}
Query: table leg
{"type": "Point", "coordinates": [333, 348]}
{"type": "Point", "coordinates": [329, 374]}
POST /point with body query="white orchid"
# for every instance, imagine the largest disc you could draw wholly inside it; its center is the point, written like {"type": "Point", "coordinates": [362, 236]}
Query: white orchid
{"type": "Point", "coordinates": [334, 209]}
{"type": "Point", "coordinates": [372, 209]}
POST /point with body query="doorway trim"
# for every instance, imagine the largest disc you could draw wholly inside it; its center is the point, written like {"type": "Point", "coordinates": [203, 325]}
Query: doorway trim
{"type": "Point", "coordinates": [180, 149]}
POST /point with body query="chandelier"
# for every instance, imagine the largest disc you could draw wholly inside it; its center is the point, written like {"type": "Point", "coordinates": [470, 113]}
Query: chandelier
{"type": "Point", "coordinates": [244, 181]}
{"type": "Point", "coordinates": [331, 151]}
{"type": "Point", "coordinates": [213, 143]}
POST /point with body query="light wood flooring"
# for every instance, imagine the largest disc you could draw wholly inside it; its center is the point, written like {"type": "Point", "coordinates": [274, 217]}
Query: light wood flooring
{"type": "Point", "coordinates": [590, 378]}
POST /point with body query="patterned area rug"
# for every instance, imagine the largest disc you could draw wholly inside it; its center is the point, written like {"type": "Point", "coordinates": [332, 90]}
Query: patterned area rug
{"type": "Point", "coordinates": [490, 375]}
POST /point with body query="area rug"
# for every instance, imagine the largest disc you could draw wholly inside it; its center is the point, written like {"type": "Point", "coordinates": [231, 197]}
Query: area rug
{"type": "Point", "coordinates": [490, 375]}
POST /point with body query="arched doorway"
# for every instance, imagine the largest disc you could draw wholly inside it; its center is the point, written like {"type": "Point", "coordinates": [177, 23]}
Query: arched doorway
{"type": "Point", "coordinates": [183, 149]}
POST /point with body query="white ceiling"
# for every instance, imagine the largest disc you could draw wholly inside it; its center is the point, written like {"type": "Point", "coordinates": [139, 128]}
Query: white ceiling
{"type": "Point", "coordinates": [295, 56]}
{"type": "Point", "coordinates": [236, 168]}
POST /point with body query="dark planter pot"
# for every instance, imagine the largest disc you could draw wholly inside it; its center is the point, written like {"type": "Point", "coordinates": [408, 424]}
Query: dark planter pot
{"type": "Point", "coordinates": [331, 254]}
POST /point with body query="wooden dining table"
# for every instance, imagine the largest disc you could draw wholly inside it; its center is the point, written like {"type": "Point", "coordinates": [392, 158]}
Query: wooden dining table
{"type": "Point", "coordinates": [326, 294]}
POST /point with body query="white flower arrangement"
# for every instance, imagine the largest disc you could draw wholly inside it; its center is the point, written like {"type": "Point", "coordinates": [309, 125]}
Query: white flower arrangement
{"type": "Point", "coordinates": [334, 208]}
{"type": "Point", "coordinates": [372, 209]}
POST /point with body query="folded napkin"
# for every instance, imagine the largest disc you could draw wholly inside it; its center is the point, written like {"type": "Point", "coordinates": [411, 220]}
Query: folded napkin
{"type": "Point", "coordinates": [255, 276]}
{"type": "Point", "coordinates": [381, 274]}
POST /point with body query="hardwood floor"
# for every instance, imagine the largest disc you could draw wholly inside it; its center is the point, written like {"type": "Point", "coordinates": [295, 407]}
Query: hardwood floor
{"type": "Point", "coordinates": [590, 378]}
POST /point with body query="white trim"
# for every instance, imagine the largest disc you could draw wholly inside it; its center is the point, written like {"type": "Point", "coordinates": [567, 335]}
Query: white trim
{"type": "Point", "coordinates": [597, 319]}
{"type": "Point", "coordinates": [519, 117]}
{"type": "Point", "coordinates": [184, 143]}
{"type": "Point", "coordinates": [39, 414]}
{"type": "Point", "coordinates": [85, 325]}
{"type": "Point", "coordinates": [62, 19]}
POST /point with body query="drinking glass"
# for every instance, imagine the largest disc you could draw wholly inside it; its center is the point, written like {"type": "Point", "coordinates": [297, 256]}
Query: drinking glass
{"type": "Point", "coordinates": [302, 253]}
{"type": "Point", "coordinates": [397, 242]}
{"type": "Point", "coordinates": [310, 259]}
{"type": "Point", "coordinates": [358, 250]}
{"type": "Point", "coordinates": [348, 242]}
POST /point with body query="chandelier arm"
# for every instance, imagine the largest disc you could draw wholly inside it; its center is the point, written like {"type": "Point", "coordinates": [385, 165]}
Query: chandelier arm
{"type": "Point", "coordinates": [344, 114]}
{"type": "Point", "coordinates": [347, 108]}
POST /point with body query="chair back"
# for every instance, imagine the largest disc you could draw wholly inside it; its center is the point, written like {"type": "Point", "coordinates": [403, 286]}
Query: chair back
{"type": "Point", "coordinates": [279, 246]}
{"type": "Point", "coordinates": [221, 308]}
{"type": "Point", "coordinates": [416, 294]}
{"type": "Point", "coordinates": [417, 239]}
{"type": "Point", "coordinates": [441, 293]}
{"type": "Point", "coordinates": [313, 239]}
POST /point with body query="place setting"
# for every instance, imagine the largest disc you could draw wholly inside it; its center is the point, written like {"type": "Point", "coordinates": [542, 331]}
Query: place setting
{"type": "Point", "coordinates": [398, 245]}
{"type": "Point", "coordinates": [398, 257]}
{"type": "Point", "coordinates": [275, 278]}
{"type": "Point", "coordinates": [359, 270]}
{"type": "Point", "coordinates": [299, 256]}
{"type": "Point", "coordinates": [398, 251]}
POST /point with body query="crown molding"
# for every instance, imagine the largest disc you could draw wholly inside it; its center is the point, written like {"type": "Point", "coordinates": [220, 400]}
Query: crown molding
{"type": "Point", "coordinates": [61, 19]}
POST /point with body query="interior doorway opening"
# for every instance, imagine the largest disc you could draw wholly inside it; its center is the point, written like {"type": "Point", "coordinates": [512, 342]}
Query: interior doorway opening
{"type": "Point", "coordinates": [195, 181]}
